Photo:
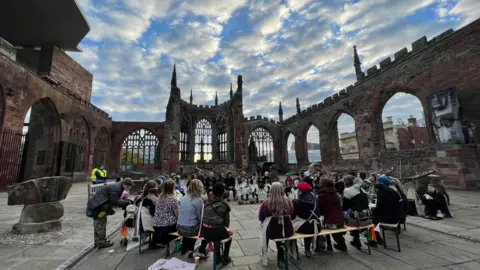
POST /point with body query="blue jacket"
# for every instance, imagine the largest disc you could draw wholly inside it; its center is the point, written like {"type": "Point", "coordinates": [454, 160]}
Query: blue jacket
{"type": "Point", "coordinates": [109, 194]}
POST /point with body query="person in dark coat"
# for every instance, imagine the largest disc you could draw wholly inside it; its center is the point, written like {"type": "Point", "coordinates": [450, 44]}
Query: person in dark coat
{"type": "Point", "coordinates": [216, 223]}
{"type": "Point", "coordinates": [230, 185]}
{"type": "Point", "coordinates": [436, 204]}
{"type": "Point", "coordinates": [389, 205]}
{"type": "Point", "coordinates": [355, 203]}
{"type": "Point", "coordinates": [331, 208]}
{"type": "Point", "coordinates": [100, 206]}
{"type": "Point", "coordinates": [306, 214]}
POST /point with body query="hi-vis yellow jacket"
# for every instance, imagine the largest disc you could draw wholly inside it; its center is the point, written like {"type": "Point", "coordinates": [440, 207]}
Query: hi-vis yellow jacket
{"type": "Point", "coordinates": [102, 173]}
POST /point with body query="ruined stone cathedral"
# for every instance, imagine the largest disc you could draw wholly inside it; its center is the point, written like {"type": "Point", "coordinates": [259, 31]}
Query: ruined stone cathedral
{"type": "Point", "coordinates": [68, 135]}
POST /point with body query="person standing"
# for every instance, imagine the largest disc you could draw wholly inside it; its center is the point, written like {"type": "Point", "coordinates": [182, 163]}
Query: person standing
{"type": "Point", "coordinates": [100, 206]}
{"type": "Point", "coordinates": [99, 175]}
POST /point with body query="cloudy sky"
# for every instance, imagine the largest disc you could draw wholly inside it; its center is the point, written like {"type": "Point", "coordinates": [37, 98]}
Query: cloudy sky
{"type": "Point", "coordinates": [284, 49]}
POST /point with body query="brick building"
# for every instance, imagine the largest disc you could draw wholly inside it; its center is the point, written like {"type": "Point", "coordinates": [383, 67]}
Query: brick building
{"type": "Point", "coordinates": [67, 135]}
{"type": "Point", "coordinates": [413, 136]}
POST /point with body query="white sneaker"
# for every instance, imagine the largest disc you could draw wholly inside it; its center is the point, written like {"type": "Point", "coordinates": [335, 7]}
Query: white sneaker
{"type": "Point", "coordinates": [440, 215]}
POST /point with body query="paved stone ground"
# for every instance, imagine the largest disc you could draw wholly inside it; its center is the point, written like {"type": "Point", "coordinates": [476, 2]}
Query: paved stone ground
{"type": "Point", "coordinates": [466, 222]}
{"type": "Point", "coordinates": [421, 249]}
{"type": "Point", "coordinates": [48, 250]}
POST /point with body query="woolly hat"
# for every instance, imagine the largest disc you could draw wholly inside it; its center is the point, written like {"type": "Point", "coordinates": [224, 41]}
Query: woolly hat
{"type": "Point", "coordinates": [384, 180]}
{"type": "Point", "coordinates": [172, 175]}
{"type": "Point", "coordinates": [304, 187]}
{"type": "Point", "coordinates": [288, 174]}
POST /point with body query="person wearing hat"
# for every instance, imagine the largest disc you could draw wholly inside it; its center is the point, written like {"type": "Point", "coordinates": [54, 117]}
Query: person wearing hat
{"type": "Point", "coordinates": [389, 204]}
{"type": "Point", "coordinates": [288, 183]}
{"type": "Point", "coordinates": [306, 214]}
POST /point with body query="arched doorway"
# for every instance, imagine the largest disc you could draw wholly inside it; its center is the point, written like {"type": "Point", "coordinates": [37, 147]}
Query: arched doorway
{"type": "Point", "coordinates": [101, 148]}
{"type": "Point", "coordinates": [40, 147]}
{"type": "Point", "coordinates": [291, 153]}
{"type": "Point", "coordinates": [347, 137]}
{"type": "Point", "coordinates": [260, 146]}
{"type": "Point", "coordinates": [404, 123]}
{"type": "Point", "coordinates": [140, 151]}
{"type": "Point", "coordinates": [313, 144]}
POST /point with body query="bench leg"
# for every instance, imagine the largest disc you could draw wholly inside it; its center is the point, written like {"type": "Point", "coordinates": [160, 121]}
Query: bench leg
{"type": "Point", "coordinates": [384, 239]}
{"type": "Point", "coordinates": [398, 240]}
{"type": "Point", "coordinates": [214, 259]}
{"type": "Point", "coordinates": [285, 255]}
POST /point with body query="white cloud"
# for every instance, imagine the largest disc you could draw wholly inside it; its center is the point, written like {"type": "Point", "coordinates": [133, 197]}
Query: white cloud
{"type": "Point", "coordinates": [284, 49]}
{"type": "Point", "coordinates": [469, 10]}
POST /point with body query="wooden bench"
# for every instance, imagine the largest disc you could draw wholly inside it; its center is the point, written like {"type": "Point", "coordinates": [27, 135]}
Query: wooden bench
{"type": "Point", "coordinates": [391, 227]}
{"type": "Point", "coordinates": [198, 238]}
{"type": "Point", "coordinates": [324, 232]}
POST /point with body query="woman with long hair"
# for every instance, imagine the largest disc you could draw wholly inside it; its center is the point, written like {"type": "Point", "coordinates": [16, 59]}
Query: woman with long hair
{"type": "Point", "coordinates": [166, 213]}
{"type": "Point", "coordinates": [276, 216]}
{"type": "Point", "coordinates": [190, 217]}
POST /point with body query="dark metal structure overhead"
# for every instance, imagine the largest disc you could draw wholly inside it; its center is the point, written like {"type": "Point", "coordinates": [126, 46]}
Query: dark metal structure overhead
{"type": "Point", "coordinates": [43, 22]}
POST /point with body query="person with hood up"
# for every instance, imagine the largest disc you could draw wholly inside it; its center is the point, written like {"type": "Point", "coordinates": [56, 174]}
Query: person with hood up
{"type": "Point", "coordinates": [355, 205]}
{"type": "Point", "coordinates": [306, 214]}
{"type": "Point", "coordinates": [389, 205]}
{"type": "Point", "coordinates": [331, 209]}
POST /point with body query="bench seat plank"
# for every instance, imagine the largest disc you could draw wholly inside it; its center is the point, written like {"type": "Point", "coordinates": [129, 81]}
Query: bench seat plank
{"type": "Point", "coordinates": [197, 237]}
{"type": "Point", "coordinates": [323, 232]}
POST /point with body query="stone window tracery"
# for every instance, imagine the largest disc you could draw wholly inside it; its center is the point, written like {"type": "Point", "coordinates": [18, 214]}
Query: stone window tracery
{"type": "Point", "coordinates": [77, 146]}
{"type": "Point", "coordinates": [222, 143]}
{"type": "Point", "coordinates": [101, 146]}
{"type": "Point", "coordinates": [260, 146]}
{"type": "Point", "coordinates": [139, 151]}
{"type": "Point", "coordinates": [184, 143]}
{"type": "Point", "coordinates": [203, 141]}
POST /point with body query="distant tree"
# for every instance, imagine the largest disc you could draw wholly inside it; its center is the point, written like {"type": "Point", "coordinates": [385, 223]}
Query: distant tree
{"type": "Point", "coordinates": [128, 157]}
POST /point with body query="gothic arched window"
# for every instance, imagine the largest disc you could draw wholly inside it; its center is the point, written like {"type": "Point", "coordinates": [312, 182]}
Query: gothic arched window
{"type": "Point", "coordinates": [203, 141]}
{"type": "Point", "coordinates": [260, 146]}
{"type": "Point", "coordinates": [184, 143]}
{"type": "Point", "coordinates": [101, 146]}
{"type": "Point", "coordinates": [139, 151]}
{"type": "Point", "coordinates": [222, 143]}
{"type": "Point", "coordinates": [77, 146]}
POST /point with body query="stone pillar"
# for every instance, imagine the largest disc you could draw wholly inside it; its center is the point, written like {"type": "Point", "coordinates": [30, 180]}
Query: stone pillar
{"type": "Point", "coordinates": [370, 139]}
{"type": "Point", "coordinates": [458, 165]}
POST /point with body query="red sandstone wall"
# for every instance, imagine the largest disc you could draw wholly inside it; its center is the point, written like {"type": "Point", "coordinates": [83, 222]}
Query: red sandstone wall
{"type": "Point", "coordinates": [69, 73]}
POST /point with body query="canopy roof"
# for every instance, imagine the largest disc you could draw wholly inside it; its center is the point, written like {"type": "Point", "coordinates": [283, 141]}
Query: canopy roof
{"type": "Point", "coordinates": [43, 22]}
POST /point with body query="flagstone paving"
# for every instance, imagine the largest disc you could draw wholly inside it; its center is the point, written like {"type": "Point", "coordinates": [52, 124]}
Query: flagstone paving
{"type": "Point", "coordinates": [421, 249]}
{"type": "Point", "coordinates": [48, 250]}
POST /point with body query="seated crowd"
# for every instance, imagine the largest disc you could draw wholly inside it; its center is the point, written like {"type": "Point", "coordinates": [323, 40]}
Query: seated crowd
{"type": "Point", "coordinates": [305, 203]}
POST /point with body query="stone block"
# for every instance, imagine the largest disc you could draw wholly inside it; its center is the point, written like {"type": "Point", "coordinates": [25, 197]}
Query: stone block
{"type": "Point", "coordinates": [372, 70]}
{"type": "Point", "coordinates": [41, 190]}
{"type": "Point", "coordinates": [419, 44]}
{"type": "Point", "coordinates": [335, 96]}
{"type": "Point", "coordinates": [444, 34]}
{"type": "Point", "coordinates": [385, 62]}
{"type": "Point", "coordinates": [30, 228]}
{"type": "Point", "coordinates": [41, 212]}
{"type": "Point", "coordinates": [400, 54]}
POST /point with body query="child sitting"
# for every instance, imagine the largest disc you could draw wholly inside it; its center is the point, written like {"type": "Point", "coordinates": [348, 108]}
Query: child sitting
{"type": "Point", "coordinates": [215, 223]}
